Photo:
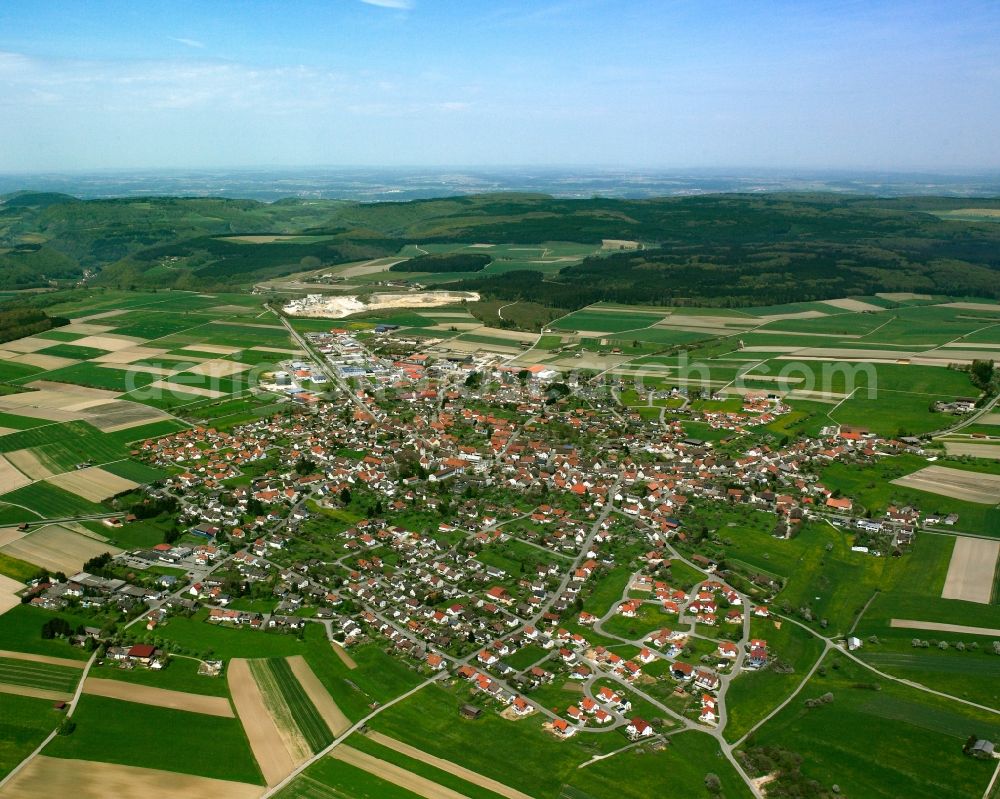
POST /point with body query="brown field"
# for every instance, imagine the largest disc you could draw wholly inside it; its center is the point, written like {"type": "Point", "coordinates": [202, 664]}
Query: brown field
{"type": "Point", "coordinates": [130, 354]}
{"type": "Point", "coordinates": [8, 534]}
{"type": "Point", "coordinates": [367, 267]}
{"type": "Point", "coordinates": [955, 483]}
{"type": "Point", "coordinates": [10, 477]}
{"type": "Point", "coordinates": [101, 315]}
{"type": "Point", "coordinates": [197, 391]}
{"type": "Point", "coordinates": [274, 700]}
{"type": "Point", "coordinates": [345, 658]}
{"type": "Point", "coordinates": [723, 323]}
{"type": "Point", "coordinates": [265, 738]}
{"type": "Point", "coordinates": [970, 572]}
{"type": "Point", "coordinates": [899, 296]}
{"type": "Point", "coordinates": [37, 693]}
{"type": "Point", "coordinates": [109, 341]}
{"type": "Point", "coordinates": [57, 549]}
{"type": "Point", "coordinates": [54, 661]}
{"type": "Point", "coordinates": [975, 450]}
{"type": "Point", "coordinates": [57, 402]}
{"type": "Point", "coordinates": [447, 765]}
{"type": "Point", "coordinates": [852, 305]}
{"type": "Point", "coordinates": [94, 483]}
{"type": "Point", "coordinates": [28, 462]}
{"type": "Point", "coordinates": [989, 418]}
{"type": "Point", "coordinates": [390, 772]}
{"type": "Point", "coordinates": [229, 309]}
{"type": "Point", "coordinates": [86, 779]}
{"type": "Point", "coordinates": [262, 240]}
{"type": "Point", "coordinates": [109, 417]}
{"type": "Point", "coordinates": [247, 324]}
{"type": "Point", "coordinates": [160, 697]}
{"type": "Point", "coordinates": [43, 361]}
{"type": "Point", "coordinates": [217, 349]}
{"type": "Point", "coordinates": [277, 350]}
{"type": "Point", "coordinates": [29, 344]}
{"type": "Point", "coordinates": [86, 328]}
{"type": "Point", "coordinates": [318, 695]}
{"type": "Point", "coordinates": [910, 624]}
{"type": "Point", "coordinates": [219, 368]}
{"type": "Point", "coordinates": [141, 369]}
{"type": "Point", "coordinates": [8, 598]}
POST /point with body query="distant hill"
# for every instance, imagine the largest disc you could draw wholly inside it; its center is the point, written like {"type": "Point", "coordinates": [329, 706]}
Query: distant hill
{"type": "Point", "coordinates": [35, 199]}
{"type": "Point", "coordinates": [724, 249]}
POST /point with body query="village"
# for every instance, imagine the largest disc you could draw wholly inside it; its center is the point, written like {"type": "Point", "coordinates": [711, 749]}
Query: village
{"type": "Point", "coordinates": [460, 514]}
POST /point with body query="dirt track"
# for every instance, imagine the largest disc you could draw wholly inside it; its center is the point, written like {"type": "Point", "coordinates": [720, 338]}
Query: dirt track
{"type": "Point", "coordinates": [73, 664]}
{"type": "Point", "coordinates": [38, 693]}
{"type": "Point", "coordinates": [265, 738]}
{"type": "Point", "coordinates": [970, 573]}
{"type": "Point", "coordinates": [346, 659]}
{"type": "Point", "coordinates": [910, 624]}
{"type": "Point", "coordinates": [446, 765]}
{"type": "Point", "coordinates": [390, 772]}
{"type": "Point", "coordinates": [319, 696]}
{"type": "Point", "coordinates": [160, 697]}
{"type": "Point", "coordinates": [85, 779]}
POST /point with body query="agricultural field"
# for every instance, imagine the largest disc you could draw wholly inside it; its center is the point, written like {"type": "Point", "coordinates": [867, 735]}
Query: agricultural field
{"type": "Point", "coordinates": [288, 701]}
{"type": "Point", "coordinates": [429, 721]}
{"type": "Point", "coordinates": [841, 739]}
{"type": "Point", "coordinates": [24, 724]}
{"type": "Point", "coordinates": [106, 732]}
{"type": "Point", "coordinates": [335, 779]}
{"type": "Point", "coordinates": [38, 675]}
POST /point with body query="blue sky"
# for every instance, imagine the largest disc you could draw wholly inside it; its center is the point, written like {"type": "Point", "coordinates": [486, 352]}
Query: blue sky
{"type": "Point", "coordinates": [655, 83]}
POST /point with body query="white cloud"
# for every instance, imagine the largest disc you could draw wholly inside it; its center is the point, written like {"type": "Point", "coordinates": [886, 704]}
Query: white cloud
{"type": "Point", "coordinates": [188, 42]}
{"type": "Point", "coordinates": [403, 5]}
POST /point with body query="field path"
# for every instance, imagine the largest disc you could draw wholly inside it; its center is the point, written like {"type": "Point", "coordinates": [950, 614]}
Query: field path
{"type": "Point", "coordinates": [390, 772]}
{"type": "Point", "coordinates": [266, 740]}
{"type": "Point", "coordinates": [910, 624]}
{"type": "Point", "coordinates": [160, 697]}
{"type": "Point", "coordinates": [38, 693]}
{"type": "Point", "coordinates": [446, 765]}
{"type": "Point", "coordinates": [85, 779]}
{"type": "Point", "coordinates": [319, 696]}
{"type": "Point", "coordinates": [54, 661]}
{"type": "Point", "coordinates": [346, 659]}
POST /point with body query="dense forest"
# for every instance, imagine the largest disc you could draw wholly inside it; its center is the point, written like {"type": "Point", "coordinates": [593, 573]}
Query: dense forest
{"type": "Point", "coordinates": [20, 322]}
{"type": "Point", "coordinates": [713, 249]}
{"type": "Point", "coordinates": [444, 262]}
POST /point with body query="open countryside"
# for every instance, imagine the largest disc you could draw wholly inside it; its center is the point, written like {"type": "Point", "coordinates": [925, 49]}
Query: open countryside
{"type": "Point", "coordinates": [548, 401]}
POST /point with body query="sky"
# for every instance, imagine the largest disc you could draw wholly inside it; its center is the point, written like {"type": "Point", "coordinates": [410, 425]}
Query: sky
{"type": "Point", "coordinates": [108, 84]}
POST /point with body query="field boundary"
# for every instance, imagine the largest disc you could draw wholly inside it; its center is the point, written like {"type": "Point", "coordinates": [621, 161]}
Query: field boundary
{"type": "Point", "coordinates": [328, 710]}
{"type": "Point", "coordinates": [50, 659]}
{"type": "Point", "coordinates": [88, 779]}
{"type": "Point", "coordinates": [159, 697]}
{"type": "Point", "coordinates": [910, 624]}
{"type": "Point", "coordinates": [397, 775]}
{"type": "Point", "coordinates": [447, 765]}
{"type": "Point", "coordinates": [266, 740]}
{"type": "Point", "coordinates": [37, 693]}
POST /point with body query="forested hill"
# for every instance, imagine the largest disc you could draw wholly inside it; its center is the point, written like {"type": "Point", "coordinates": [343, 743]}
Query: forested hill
{"type": "Point", "coordinates": [722, 249]}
